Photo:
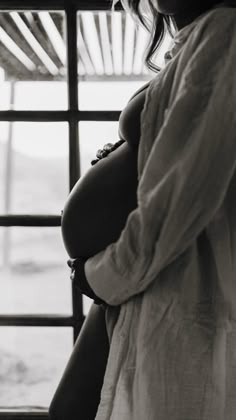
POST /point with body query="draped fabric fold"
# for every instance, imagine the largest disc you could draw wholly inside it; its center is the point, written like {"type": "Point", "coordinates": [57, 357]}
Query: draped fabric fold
{"type": "Point", "coordinates": [173, 269]}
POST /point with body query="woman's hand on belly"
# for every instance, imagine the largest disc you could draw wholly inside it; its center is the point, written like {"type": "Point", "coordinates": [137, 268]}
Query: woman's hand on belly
{"type": "Point", "coordinates": [107, 149]}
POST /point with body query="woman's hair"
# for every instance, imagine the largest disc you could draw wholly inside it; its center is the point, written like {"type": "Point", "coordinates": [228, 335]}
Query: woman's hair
{"type": "Point", "coordinates": [157, 27]}
{"type": "Point", "coordinates": [160, 24]}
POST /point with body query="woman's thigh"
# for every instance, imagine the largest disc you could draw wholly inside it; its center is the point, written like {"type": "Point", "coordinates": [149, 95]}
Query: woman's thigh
{"type": "Point", "coordinates": [78, 393]}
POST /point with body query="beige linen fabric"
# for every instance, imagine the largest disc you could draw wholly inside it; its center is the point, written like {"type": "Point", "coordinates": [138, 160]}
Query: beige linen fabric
{"type": "Point", "coordinates": [173, 269]}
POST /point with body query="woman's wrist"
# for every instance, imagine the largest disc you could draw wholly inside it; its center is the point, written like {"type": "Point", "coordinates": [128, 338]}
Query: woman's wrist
{"type": "Point", "coordinates": [79, 279]}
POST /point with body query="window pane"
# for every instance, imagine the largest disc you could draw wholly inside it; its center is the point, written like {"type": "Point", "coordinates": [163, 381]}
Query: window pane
{"type": "Point", "coordinates": [34, 275]}
{"type": "Point", "coordinates": [32, 362]}
{"type": "Point", "coordinates": [33, 67]}
{"type": "Point", "coordinates": [93, 135]}
{"type": "Point", "coordinates": [112, 48]}
{"type": "Point", "coordinates": [107, 95]}
{"type": "Point", "coordinates": [87, 303]}
{"type": "Point", "coordinates": [34, 167]}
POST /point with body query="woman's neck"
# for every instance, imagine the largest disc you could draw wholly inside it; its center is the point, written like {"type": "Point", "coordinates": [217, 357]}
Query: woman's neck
{"type": "Point", "coordinates": [183, 19]}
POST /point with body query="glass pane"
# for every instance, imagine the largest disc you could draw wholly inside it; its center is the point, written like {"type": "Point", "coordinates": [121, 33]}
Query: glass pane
{"type": "Point", "coordinates": [34, 274]}
{"type": "Point", "coordinates": [33, 70]}
{"type": "Point", "coordinates": [87, 302]}
{"type": "Point", "coordinates": [40, 95]}
{"type": "Point", "coordinates": [112, 48]}
{"type": "Point", "coordinates": [93, 135]}
{"type": "Point", "coordinates": [4, 130]}
{"type": "Point", "coordinates": [107, 95]}
{"type": "Point", "coordinates": [32, 363]}
{"type": "Point", "coordinates": [34, 167]}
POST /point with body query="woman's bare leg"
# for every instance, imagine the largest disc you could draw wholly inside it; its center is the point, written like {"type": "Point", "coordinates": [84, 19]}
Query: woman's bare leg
{"type": "Point", "coordinates": [78, 394]}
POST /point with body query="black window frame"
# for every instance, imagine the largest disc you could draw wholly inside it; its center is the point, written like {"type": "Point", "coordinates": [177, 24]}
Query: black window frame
{"type": "Point", "coordinates": [72, 116]}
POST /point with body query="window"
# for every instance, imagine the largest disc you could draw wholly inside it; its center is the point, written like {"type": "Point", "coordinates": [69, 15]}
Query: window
{"type": "Point", "coordinates": [47, 140]}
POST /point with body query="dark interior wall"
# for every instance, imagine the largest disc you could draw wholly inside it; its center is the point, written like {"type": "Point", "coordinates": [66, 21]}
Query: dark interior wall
{"type": "Point", "coordinates": [56, 4]}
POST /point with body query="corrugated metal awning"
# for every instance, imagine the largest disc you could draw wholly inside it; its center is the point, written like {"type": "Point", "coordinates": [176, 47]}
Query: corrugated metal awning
{"type": "Point", "coordinates": [110, 46]}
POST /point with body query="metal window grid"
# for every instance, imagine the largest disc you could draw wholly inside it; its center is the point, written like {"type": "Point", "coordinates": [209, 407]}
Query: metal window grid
{"type": "Point", "coordinates": [73, 115]}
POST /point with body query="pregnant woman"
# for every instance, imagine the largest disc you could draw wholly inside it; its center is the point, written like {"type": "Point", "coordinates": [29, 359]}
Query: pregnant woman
{"type": "Point", "coordinates": [94, 216]}
{"type": "Point", "coordinates": [171, 272]}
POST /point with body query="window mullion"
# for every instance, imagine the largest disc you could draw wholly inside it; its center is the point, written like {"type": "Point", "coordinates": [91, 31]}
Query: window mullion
{"type": "Point", "coordinates": [30, 220]}
{"type": "Point", "coordinates": [31, 320]}
{"type": "Point", "coordinates": [72, 116]}
{"type": "Point", "coordinates": [23, 415]}
{"type": "Point", "coordinates": [74, 153]}
{"type": "Point", "coordinates": [34, 116]}
{"type": "Point", "coordinates": [71, 22]}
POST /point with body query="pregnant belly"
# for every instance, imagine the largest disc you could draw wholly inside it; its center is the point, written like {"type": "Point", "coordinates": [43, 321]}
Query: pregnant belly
{"type": "Point", "coordinates": [98, 206]}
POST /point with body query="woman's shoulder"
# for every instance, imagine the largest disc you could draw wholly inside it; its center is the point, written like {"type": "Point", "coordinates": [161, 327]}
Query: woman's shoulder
{"type": "Point", "coordinates": [210, 46]}
{"type": "Point", "coordinates": [217, 22]}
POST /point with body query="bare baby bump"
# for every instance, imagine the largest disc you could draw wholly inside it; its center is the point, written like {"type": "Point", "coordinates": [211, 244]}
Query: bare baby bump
{"type": "Point", "coordinates": [98, 206]}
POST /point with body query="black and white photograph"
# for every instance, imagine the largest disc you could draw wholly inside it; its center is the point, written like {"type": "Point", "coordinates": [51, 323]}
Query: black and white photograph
{"type": "Point", "coordinates": [117, 210]}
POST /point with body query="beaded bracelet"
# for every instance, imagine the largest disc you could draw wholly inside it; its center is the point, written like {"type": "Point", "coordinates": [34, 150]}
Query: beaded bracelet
{"type": "Point", "coordinates": [107, 149]}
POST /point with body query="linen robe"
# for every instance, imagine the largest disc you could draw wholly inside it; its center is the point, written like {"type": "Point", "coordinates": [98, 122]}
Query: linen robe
{"type": "Point", "coordinates": [173, 268]}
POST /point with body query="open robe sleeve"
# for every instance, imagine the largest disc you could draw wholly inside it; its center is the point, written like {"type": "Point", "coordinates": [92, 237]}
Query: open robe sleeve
{"type": "Point", "coordinates": [184, 180]}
